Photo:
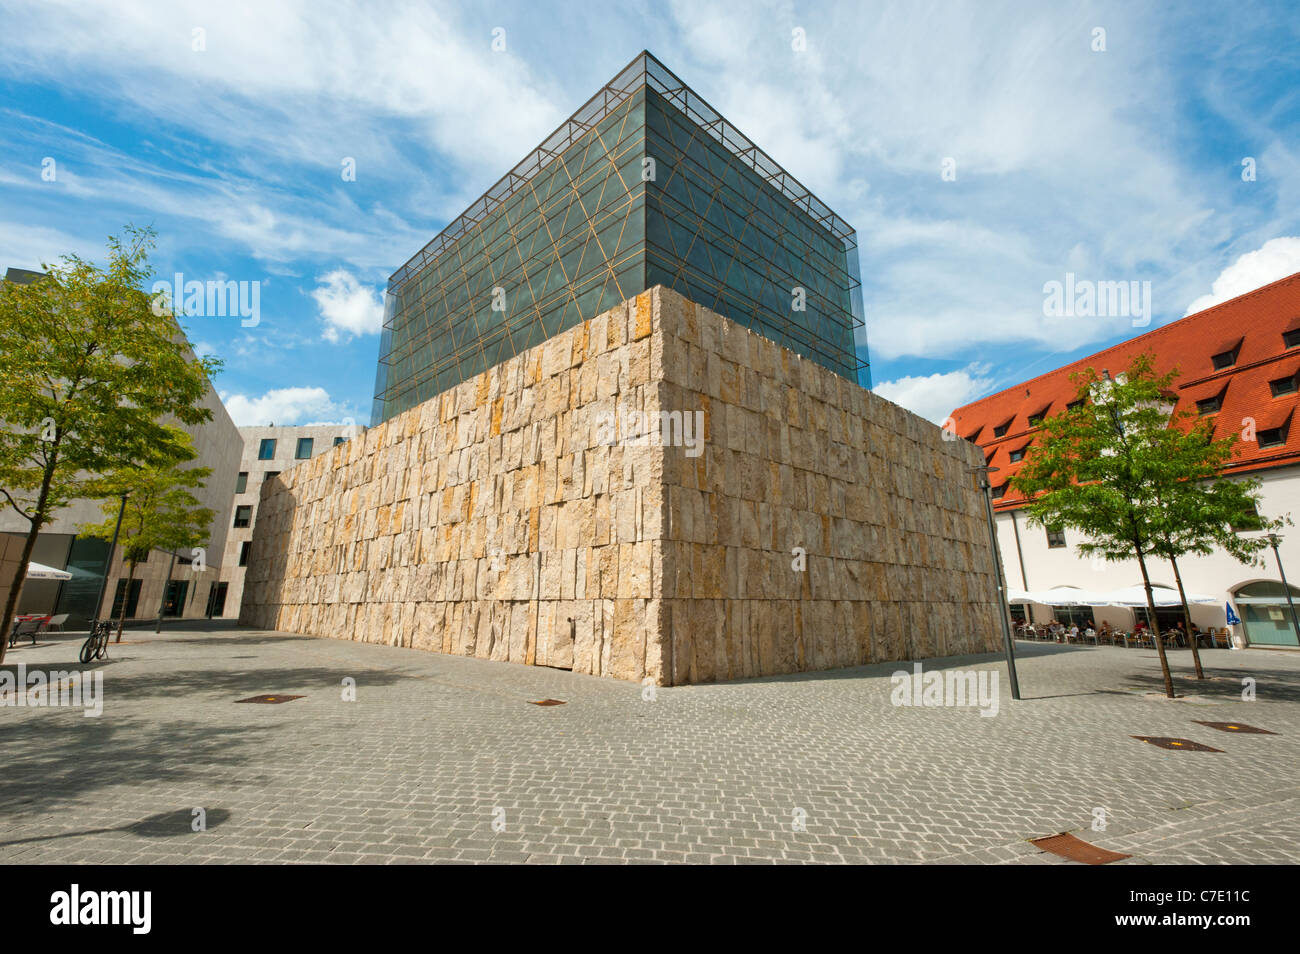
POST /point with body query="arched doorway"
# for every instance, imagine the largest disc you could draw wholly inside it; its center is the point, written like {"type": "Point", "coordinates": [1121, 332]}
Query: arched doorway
{"type": "Point", "coordinates": [1264, 613]}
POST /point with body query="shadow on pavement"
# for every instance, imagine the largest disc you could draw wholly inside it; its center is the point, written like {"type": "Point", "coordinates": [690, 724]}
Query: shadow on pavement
{"type": "Point", "coordinates": [163, 825]}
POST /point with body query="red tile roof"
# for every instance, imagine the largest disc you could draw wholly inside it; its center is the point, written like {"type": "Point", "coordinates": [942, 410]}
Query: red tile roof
{"type": "Point", "coordinates": [1254, 323]}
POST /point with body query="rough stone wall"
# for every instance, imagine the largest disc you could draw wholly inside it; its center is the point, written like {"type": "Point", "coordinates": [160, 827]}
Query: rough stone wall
{"type": "Point", "coordinates": [514, 518]}
{"type": "Point", "coordinates": [490, 521]}
{"type": "Point", "coordinates": [896, 557]}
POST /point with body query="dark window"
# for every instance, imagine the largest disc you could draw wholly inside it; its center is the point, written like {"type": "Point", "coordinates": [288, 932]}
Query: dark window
{"type": "Point", "coordinates": [241, 482]}
{"type": "Point", "coordinates": [1001, 429]}
{"type": "Point", "coordinates": [174, 597]}
{"type": "Point", "coordinates": [271, 475]}
{"type": "Point", "coordinates": [1209, 405]}
{"type": "Point", "coordinates": [1291, 339]}
{"type": "Point", "coordinates": [1018, 454]}
{"type": "Point", "coordinates": [130, 603]}
{"type": "Point", "coordinates": [243, 552]}
{"type": "Point", "coordinates": [267, 449]}
{"type": "Point", "coordinates": [1036, 419]}
{"type": "Point", "coordinates": [217, 599]}
{"type": "Point", "coordinates": [999, 491]}
{"type": "Point", "coordinates": [243, 516]}
{"type": "Point", "coordinates": [1250, 521]}
{"type": "Point", "coordinates": [1074, 404]}
{"type": "Point", "coordinates": [304, 448]}
{"type": "Point", "coordinates": [1055, 538]}
{"type": "Point", "coordinates": [1273, 437]}
{"type": "Point", "coordinates": [339, 440]}
{"type": "Point", "coordinates": [1283, 385]}
{"type": "Point", "coordinates": [1224, 359]}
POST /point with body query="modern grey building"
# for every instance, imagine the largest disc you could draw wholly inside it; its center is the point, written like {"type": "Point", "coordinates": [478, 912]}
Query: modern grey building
{"type": "Point", "coordinates": [644, 185]}
{"type": "Point", "coordinates": [181, 588]}
{"type": "Point", "coordinates": [268, 452]}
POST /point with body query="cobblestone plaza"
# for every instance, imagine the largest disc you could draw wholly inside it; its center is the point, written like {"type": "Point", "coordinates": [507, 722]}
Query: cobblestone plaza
{"type": "Point", "coordinates": [444, 758]}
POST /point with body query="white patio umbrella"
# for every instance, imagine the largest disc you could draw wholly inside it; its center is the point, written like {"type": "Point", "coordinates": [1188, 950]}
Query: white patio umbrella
{"type": "Point", "coordinates": [1160, 595]}
{"type": "Point", "coordinates": [39, 571]}
{"type": "Point", "coordinates": [1063, 596]}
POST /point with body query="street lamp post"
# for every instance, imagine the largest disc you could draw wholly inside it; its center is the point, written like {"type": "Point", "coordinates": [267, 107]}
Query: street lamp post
{"type": "Point", "coordinates": [162, 603]}
{"type": "Point", "coordinates": [1007, 642]}
{"type": "Point", "coordinates": [1274, 540]}
{"type": "Point", "coordinates": [108, 560]}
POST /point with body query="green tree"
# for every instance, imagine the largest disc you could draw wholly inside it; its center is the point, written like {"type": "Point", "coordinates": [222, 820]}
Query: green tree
{"type": "Point", "coordinates": [91, 370]}
{"type": "Point", "coordinates": [1101, 466]}
{"type": "Point", "coordinates": [1201, 512]}
{"type": "Point", "coordinates": [160, 513]}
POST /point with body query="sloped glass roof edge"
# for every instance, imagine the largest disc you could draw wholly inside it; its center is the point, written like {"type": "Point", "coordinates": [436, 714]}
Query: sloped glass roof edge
{"type": "Point", "coordinates": [643, 70]}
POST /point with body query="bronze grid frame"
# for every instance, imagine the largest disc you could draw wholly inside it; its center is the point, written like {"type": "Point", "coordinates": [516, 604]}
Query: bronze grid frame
{"type": "Point", "coordinates": [522, 317]}
{"type": "Point", "coordinates": [643, 70]}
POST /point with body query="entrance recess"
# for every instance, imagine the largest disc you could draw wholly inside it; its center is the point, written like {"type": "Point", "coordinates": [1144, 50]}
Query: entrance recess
{"type": "Point", "coordinates": [1265, 614]}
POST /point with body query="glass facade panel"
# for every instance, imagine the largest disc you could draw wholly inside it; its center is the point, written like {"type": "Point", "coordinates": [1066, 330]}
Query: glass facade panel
{"type": "Point", "coordinates": [644, 185]}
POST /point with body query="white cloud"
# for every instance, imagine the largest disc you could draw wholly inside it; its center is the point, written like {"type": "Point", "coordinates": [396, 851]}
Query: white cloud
{"type": "Point", "coordinates": [311, 80]}
{"type": "Point", "coordinates": [934, 396]}
{"type": "Point", "coordinates": [1062, 160]}
{"type": "Point", "coordinates": [1276, 259]}
{"type": "Point", "coordinates": [348, 308]}
{"type": "Point", "coordinates": [280, 406]}
{"type": "Point", "coordinates": [25, 245]}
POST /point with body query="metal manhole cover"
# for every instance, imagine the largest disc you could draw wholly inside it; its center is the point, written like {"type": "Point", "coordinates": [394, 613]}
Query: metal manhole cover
{"type": "Point", "coordinates": [1235, 727]}
{"type": "Point", "coordinates": [269, 699]}
{"type": "Point", "coordinates": [549, 702]}
{"type": "Point", "coordinates": [1067, 846]}
{"type": "Point", "coordinates": [1178, 745]}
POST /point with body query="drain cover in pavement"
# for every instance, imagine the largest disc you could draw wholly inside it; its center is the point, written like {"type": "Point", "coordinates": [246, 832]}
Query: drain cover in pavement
{"type": "Point", "coordinates": [1067, 846]}
{"type": "Point", "coordinates": [1181, 745]}
{"type": "Point", "coordinates": [1235, 727]}
{"type": "Point", "coordinates": [269, 700]}
{"type": "Point", "coordinates": [549, 702]}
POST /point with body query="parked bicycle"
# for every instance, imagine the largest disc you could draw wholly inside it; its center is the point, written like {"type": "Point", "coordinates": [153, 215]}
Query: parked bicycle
{"type": "Point", "coordinates": [96, 644]}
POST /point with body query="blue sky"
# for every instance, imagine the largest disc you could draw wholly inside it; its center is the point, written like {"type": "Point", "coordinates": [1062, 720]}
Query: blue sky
{"type": "Point", "coordinates": [1115, 164]}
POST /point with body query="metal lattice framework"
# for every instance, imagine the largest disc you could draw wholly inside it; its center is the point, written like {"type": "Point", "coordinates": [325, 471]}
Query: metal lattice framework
{"type": "Point", "coordinates": [727, 226]}
{"type": "Point", "coordinates": [644, 70]}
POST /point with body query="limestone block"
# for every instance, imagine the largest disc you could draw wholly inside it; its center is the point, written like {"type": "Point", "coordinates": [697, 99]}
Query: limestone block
{"type": "Point", "coordinates": [627, 557]}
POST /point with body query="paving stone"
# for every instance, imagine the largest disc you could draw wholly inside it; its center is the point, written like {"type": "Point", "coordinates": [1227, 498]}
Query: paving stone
{"type": "Point", "coordinates": [417, 768]}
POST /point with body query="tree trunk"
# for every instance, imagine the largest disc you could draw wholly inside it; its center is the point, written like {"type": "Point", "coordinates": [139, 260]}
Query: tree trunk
{"type": "Point", "coordinates": [11, 604]}
{"type": "Point", "coordinates": [126, 598]}
{"type": "Point", "coordinates": [1187, 619]}
{"type": "Point", "coordinates": [24, 561]}
{"type": "Point", "coordinates": [1155, 626]}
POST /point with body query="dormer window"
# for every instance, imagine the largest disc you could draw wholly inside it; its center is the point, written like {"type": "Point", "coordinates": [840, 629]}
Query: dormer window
{"type": "Point", "coordinates": [1285, 385]}
{"type": "Point", "coordinates": [999, 491]}
{"type": "Point", "coordinates": [1018, 454]}
{"type": "Point", "coordinates": [1291, 339]}
{"type": "Point", "coordinates": [1209, 405]}
{"type": "Point", "coordinates": [1273, 437]}
{"type": "Point", "coordinates": [1001, 429]}
{"type": "Point", "coordinates": [1224, 359]}
{"type": "Point", "coordinates": [1036, 419]}
{"type": "Point", "coordinates": [1074, 405]}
